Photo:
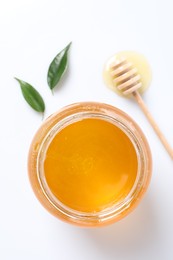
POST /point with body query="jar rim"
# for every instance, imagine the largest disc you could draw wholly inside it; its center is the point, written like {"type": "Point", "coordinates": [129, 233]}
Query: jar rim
{"type": "Point", "coordinates": [105, 112]}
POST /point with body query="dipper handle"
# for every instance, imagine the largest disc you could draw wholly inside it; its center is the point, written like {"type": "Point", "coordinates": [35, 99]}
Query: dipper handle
{"type": "Point", "coordinates": [157, 130]}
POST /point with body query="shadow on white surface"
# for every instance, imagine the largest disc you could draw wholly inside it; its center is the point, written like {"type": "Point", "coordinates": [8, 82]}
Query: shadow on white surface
{"type": "Point", "coordinates": [131, 237]}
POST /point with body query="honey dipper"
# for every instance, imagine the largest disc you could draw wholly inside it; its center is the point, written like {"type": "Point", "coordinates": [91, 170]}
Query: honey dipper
{"type": "Point", "coordinates": [122, 75]}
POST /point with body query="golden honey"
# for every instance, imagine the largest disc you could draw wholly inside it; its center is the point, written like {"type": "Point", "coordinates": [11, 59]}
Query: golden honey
{"type": "Point", "coordinates": [89, 164]}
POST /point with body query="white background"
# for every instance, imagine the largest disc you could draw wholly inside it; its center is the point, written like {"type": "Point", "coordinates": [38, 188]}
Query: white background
{"type": "Point", "coordinates": [31, 34]}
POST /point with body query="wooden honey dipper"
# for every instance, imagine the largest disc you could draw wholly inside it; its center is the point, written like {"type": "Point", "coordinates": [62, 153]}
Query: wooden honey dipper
{"type": "Point", "coordinates": [126, 78]}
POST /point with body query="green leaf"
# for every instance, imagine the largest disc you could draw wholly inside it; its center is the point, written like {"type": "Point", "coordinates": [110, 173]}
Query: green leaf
{"type": "Point", "coordinates": [31, 95]}
{"type": "Point", "coordinates": [57, 67]}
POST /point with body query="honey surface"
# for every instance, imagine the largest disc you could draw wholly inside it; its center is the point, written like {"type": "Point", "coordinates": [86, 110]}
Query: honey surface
{"type": "Point", "coordinates": [90, 164]}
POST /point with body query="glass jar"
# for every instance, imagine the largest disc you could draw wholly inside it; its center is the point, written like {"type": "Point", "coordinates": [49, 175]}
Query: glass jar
{"type": "Point", "coordinates": [61, 119]}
